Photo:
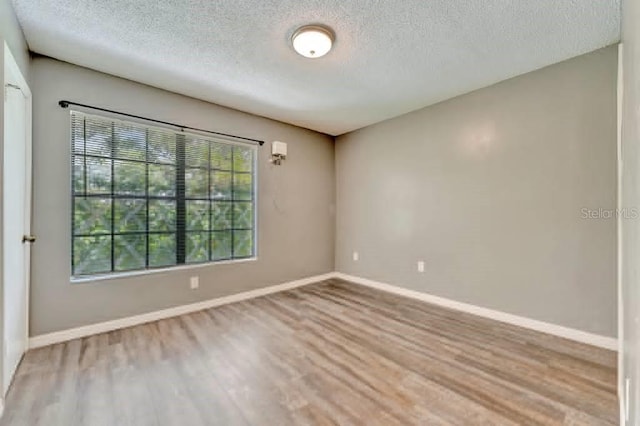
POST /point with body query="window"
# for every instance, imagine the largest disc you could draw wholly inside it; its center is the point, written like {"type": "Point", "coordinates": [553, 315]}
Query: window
{"type": "Point", "coordinates": [149, 197]}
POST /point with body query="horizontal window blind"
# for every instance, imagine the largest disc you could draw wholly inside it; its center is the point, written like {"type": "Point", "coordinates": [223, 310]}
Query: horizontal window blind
{"type": "Point", "coordinates": [149, 197]}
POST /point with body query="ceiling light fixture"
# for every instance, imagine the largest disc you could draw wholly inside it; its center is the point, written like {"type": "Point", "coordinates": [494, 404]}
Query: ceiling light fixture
{"type": "Point", "coordinates": [312, 41]}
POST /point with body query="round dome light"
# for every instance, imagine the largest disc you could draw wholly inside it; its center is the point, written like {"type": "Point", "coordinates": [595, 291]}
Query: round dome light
{"type": "Point", "coordinates": [312, 41]}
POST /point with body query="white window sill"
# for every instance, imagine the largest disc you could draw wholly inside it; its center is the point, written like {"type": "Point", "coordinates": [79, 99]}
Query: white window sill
{"type": "Point", "coordinates": [130, 274]}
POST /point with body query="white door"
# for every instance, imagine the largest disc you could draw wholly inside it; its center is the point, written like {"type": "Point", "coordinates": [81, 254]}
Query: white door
{"type": "Point", "coordinates": [16, 212]}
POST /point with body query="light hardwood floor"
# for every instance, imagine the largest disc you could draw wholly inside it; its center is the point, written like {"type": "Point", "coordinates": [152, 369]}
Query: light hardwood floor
{"type": "Point", "coordinates": [328, 353]}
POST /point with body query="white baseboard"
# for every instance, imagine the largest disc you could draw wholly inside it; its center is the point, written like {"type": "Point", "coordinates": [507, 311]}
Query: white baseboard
{"type": "Point", "coordinates": [75, 333]}
{"type": "Point", "coordinates": [544, 327]}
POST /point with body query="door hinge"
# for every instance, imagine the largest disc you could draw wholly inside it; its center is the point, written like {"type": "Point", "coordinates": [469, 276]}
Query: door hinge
{"type": "Point", "coordinates": [28, 239]}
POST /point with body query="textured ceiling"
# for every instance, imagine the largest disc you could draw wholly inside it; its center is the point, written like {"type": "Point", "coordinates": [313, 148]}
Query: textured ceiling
{"type": "Point", "coordinates": [390, 57]}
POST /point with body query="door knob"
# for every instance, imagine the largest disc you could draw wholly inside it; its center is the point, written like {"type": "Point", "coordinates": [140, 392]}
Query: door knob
{"type": "Point", "coordinates": [29, 239]}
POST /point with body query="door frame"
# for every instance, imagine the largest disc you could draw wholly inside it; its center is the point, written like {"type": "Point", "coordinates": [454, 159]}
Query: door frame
{"type": "Point", "coordinates": [11, 74]}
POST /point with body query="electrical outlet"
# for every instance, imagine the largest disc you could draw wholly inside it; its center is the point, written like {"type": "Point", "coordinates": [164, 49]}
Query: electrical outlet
{"type": "Point", "coordinates": [421, 266]}
{"type": "Point", "coordinates": [194, 283]}
{"type": "Point", "coordinates": [356, 256]}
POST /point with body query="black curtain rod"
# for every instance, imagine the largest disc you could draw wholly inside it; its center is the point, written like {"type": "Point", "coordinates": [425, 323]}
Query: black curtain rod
{"type": "Point", "coordinates": [65, 104]}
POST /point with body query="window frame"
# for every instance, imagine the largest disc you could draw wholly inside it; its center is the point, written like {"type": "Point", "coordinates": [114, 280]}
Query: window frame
{"type": "Point", "coordinates": [180, 196]}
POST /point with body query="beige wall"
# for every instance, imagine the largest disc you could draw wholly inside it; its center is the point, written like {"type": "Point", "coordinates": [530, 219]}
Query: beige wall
{"type": "Point", "coordinates": [11, 33]}
{"type": "Point", "coordinates": [488, 189]}
{"type": "Point", "coordinates": [630, 187]}
{"type": "Point", "coordinates": [295, 203]}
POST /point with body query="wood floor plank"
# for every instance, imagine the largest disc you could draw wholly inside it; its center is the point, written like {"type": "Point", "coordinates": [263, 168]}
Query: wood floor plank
{"type": "Point", "coordinates": [331, 353]}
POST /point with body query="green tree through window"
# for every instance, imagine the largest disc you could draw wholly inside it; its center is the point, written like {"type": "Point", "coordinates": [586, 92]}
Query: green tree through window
{"type": "Point", "coordinates": [146, 197]}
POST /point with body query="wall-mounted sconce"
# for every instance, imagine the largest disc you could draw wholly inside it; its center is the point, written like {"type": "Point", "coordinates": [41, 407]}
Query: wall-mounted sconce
{"type": "Point", "coordinates": [278, 152]}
